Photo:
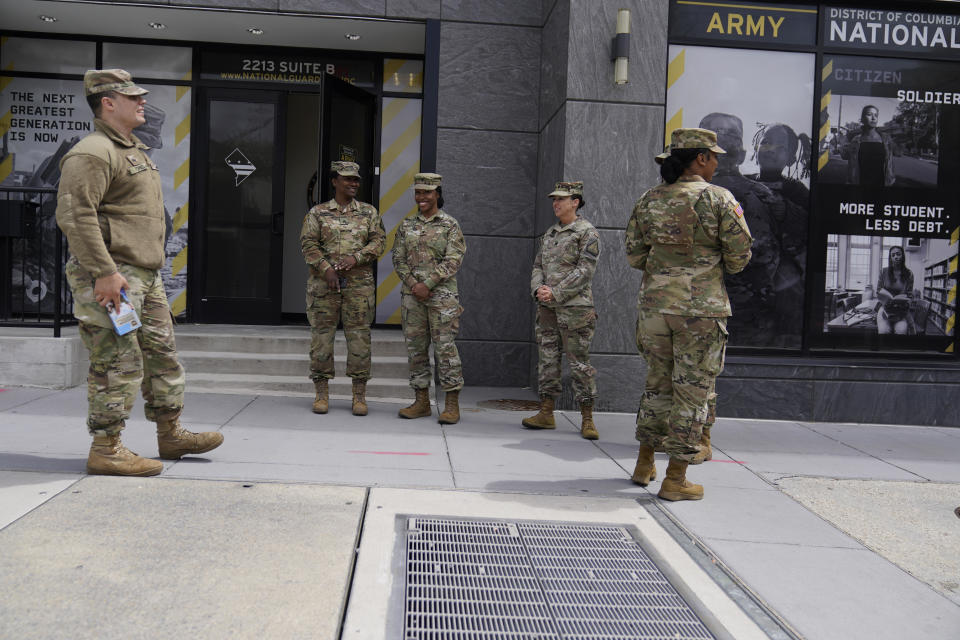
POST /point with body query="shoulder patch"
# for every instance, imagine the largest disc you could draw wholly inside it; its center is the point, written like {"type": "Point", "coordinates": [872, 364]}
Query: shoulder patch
{"type": "Point", "coordinates": [593, 248]}
{"type": "Point", "coordinates": [738, 209]}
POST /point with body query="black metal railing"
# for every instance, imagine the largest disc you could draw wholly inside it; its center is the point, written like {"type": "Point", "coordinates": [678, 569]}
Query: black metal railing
{"type": "Point", "coordinates": [33, 251]}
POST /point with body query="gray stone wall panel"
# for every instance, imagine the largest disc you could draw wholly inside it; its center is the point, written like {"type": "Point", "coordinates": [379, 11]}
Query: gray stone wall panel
{"type": "Point", "coordinates": [495, 364]}
{"type": "Point", "coordinates": [346, 7]}
{"type": "Point", "coordinates": [489, 77]}
{"type": "Point", "coordinates": [611, 147]}
{"type": "Point", "coordinates": [593, 24]}
{"type": "Point", "coordinates": [494, 283]}
{"type": "Point", "coordinates": [517, 12]}
{"type": "Point", "coordinates": [420, 9]}
{"type": "Point", "coordinates": [489, 180]}
{"type": "Point", "coordinates": [550, 169]}
{"type": "Point", "coordinates": [615, 288]}
{"type": "Point", "coordinates": [553, 63]}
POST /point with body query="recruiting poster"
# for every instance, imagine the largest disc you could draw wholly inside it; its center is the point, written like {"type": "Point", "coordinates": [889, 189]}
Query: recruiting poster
{"type": "Point", "coordinates": [888, 197]}
{"type": "Point", "coordinates": [40, 121]}
{"type": "Point", "coordinates": [761, 107]}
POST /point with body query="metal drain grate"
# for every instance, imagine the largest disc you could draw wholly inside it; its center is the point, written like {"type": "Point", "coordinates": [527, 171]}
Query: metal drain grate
{"type": "Point", "coordinates": [489, 580]}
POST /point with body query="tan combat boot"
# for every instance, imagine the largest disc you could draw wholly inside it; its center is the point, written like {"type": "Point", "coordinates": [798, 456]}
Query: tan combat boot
{"type": "Point", "coordinates": [174, 441]}
{"type": "Point", "coordinates": [706, 451]}
{"type": "Point", "coordinates": [543, 419]}
{"type": "Point", "coordinates": [645, 472]}
{"type": "Point", "coordinates": [420, 407]}
{"type": "Point", "coordinates": [587, 429]}
{"type": "Point", "coordinates": [108, 457]}
{"type": "Point", "coordinates": [321, 404]}
{"type": "Point", "coordinates": [675, 485]}
{"type": "Point", "coordinates": [451, 410]}
{"type": "Point", "coordinates": [359, 397]}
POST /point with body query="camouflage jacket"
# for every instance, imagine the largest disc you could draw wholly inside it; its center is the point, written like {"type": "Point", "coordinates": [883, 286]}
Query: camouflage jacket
{"type": "Point", "coordinates": [429, 250]}
{"type": "Point", "coordinates": [329, 234]}
{"type": "Point", "coordinates": [566, 262]}
{"type": "Point", "coordinates": [684, 236]}
{"type": "Point", "coordinates": [110, 203]}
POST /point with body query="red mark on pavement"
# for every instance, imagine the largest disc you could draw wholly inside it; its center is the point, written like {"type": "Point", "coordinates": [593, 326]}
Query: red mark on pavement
{"type": "Point", "coordinates": [393, 453]}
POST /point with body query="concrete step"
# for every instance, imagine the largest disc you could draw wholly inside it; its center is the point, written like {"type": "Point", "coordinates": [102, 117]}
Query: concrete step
{"type": "Point", "coordinates": [280, 339]}
{"type": "Point", "coordinates": [379, 389]}
{"type": "Point", "coordinates": [283, 364]}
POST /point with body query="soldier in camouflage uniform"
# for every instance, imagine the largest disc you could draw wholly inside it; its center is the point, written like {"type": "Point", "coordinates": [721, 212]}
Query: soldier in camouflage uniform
{"type": "Point", "coordinates": [341, 240]}
{"type": "Point", "coordinates": [427, 253]}
{"type": "Point", "coordinates": [561, 284]}
{"type": "Point", "coordinates": [683, 234]}
{"type": "Point", "coordinates": [110, 207]}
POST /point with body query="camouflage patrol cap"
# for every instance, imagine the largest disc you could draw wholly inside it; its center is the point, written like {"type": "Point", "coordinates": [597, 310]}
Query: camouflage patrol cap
{"type": "Point", "coordinates": [344, 168]}
{"type": "Point", "coordinates": [427, 181]}
{"type": "Point", "coordinates": [660, 157]}
{"type": "Point", "coordinates": [565, 189]}
{"type": "Point", "coordinates": [102, 80]}
{"type": "Point", "coordinates": [695, 139]}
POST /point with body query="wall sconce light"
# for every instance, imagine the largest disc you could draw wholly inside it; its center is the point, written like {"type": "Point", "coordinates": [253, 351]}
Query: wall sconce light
{"type": "Point", "coordinates": [620, 47]}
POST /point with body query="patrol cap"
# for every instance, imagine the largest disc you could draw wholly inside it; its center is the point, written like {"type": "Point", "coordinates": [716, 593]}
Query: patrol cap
{"type": "Point", "coordinates": [102, 80]}
{"type": "Point", "coordinates": [344, 168]}
{"type": "Point", "coordinates": [694, 138]}
{"type": "Point", "coordinates": [427, 181]}
{"type": "Point", "coordinates": [660, 157]}
{"type": "Point", "coordinates": [565, 189]}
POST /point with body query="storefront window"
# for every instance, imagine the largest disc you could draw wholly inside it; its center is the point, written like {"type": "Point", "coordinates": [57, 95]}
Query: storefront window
{"type": "Point", "coordinates": [47, 56]}
{"type": "Point", "coordinates": [402, 76]}
{"type": "Point", "coordinates": [147, 61]}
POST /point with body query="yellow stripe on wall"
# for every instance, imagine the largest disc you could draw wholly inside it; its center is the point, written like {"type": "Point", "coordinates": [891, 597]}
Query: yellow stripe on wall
{"type": "Point", "coordinates": [4, 81]}
{"type": "Point", "coordinates": [403, 185]}
{"type": "Point", "coordinates": [392, 66]}
{"type": "Point", "coordinates": [181, 217]}
{"type": "Point", "coordinates": [676, 67]}
{"type": "Point", "coordinates": [824, 130]}
{"type": "Point", "coordinates": [401, 144]}
{"type": "Point", "coordinates": [182, 130]}
{"type": "Point", "coordinates": [825, 100]}
{"type": "Point", "coordinates": [955, 236]}
{"type": "Point", "coordinates": [673, 123]}
{"type": "Point", "coordinates": [179, 262]}
{"type": "Point", "coordinates": [6, 167]}
{"type": "Point", "coordinates": [391, 111]}
{"type": "Point", "coordinates": [182, 91]}
{"type": "Point", "coordinates": [948, 329]}
{"type": "Point", "coordinates": [179, 303]}
{"type": "Point", "coordinates": [390, 283]}
{"type": "Point", "coordinates": [824, 159]}
{"type": "Point", "coordinates": [827, 70]}
{"type": "Point", "coordinates": [5, 123]}
{"type": "Point", "coordinates": [181, 174]}
{"type": "Point", "coordinates": [953, 266]}
{"type": "Point", "coordinates": [952, 294]}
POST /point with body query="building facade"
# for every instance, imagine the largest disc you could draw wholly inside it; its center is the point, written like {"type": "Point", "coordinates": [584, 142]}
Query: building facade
{"type": "Point", "coordinates": [506, 97]}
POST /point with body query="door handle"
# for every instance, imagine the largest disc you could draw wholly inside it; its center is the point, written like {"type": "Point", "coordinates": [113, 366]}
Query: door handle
{"type": "Point", "coordinates": [277, 223]}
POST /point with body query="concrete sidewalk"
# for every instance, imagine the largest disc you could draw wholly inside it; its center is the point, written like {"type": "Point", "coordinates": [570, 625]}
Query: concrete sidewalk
{"type": "Point", "coordinates": [842, 530]}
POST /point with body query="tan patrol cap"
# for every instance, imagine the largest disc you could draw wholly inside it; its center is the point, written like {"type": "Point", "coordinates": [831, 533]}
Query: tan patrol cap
{"type": "Point", "coordinates": [345, 168]}
{"type": "Point", "coordinates": [566, 189]}
{"type": "Point", "coordinates": [102, 80]}
{"type": "Point", "coordinates": [660, 157]}
{"type": "Point", "coordinates": [695, 139]}
{"type": "Point", "coordinates": [427, 181]}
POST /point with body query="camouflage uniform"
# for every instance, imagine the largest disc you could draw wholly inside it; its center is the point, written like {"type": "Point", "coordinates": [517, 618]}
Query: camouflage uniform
{"type": "Point", "coordinates": [329, 233]}
{"type": "Point", "coordinates": [430, 250]}
{"type": "Point", "coordinates": [110, 207]}
{"type": "Point", "coordinates": [566, 262]}
{"type": "Point", "coordinates": [683, 236]}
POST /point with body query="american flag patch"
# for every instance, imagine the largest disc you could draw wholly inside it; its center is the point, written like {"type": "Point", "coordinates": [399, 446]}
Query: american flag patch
{"type": "Point", "coordinates": [739, 210]}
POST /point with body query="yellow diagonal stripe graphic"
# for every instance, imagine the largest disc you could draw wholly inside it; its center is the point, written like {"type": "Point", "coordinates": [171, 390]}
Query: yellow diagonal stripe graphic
{"type": "Point", "coordinates": [403, 186]}
{"type": "Point", "coordinates": [953, 266]}
{"type": "Point", "coordinates": [675, 68]}
{"type": "Point", "coordinates": [948, 329]}
{"type": "Point", "coordinates": [182, 131]}
{"type": "Point", "coordinates": [955, 236]}
{"type": "Point", "coordinates": [179, 262]}
{"type": "Point", "coordinates": [825, 101]}
{"type": "Point", "coordinates": [6, 167]}
{"type": "Point", "coordinates": [392, 109]}
{"type": "Point", "coordinates": [182, 91]}
{"type": "Point", "coordinates": [824, 159]}
{"type": "Point", "coordinates": [400, 144]}
{"type": "Point", "coordinates": [952, 294]}
{"type": "Point", "coordinates": [827, 70]}
{"type": "Point", "coordinates": [392, 66]}
{"type": "Point", "coordinates": [950, 348]}
{"type": "Point", "coordinates": [392, 234]}
{"type": "Point", "coordinates": [673, 123]}
{"type": "Point", "coordinates": [4, 81]}
{"type": "Point", "coordinates": [181, 174]}
{"type": "Point", "coordinates": [5, 123]}
{"type": "Point", "coordinates": [824, 130]}
{"type": "Point", "coordinates": [179, 304]}
{"type": "Point", "coordinates": [181, 217]}
{"type": "Point", "coordinates": [388, 285]}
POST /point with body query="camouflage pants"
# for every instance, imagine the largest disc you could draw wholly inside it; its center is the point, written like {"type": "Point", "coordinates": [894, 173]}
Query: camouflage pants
{"type": "Point", "coordinates": [566, 330]}
{"type": "Point", "coordinates": [437, 321]}
{"type": "Point", "coordinates": [353, 305]}
{"type": "Point", "coordinates": [145, 358]}
{"type": "Point", "coordinates": [684, 357]}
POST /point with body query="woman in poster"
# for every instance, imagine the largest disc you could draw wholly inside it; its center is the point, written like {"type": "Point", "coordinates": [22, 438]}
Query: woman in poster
{"type": "Point", "coordinates": [869, 154]}
{"type": "Point", "coordinates": [895, 291]}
